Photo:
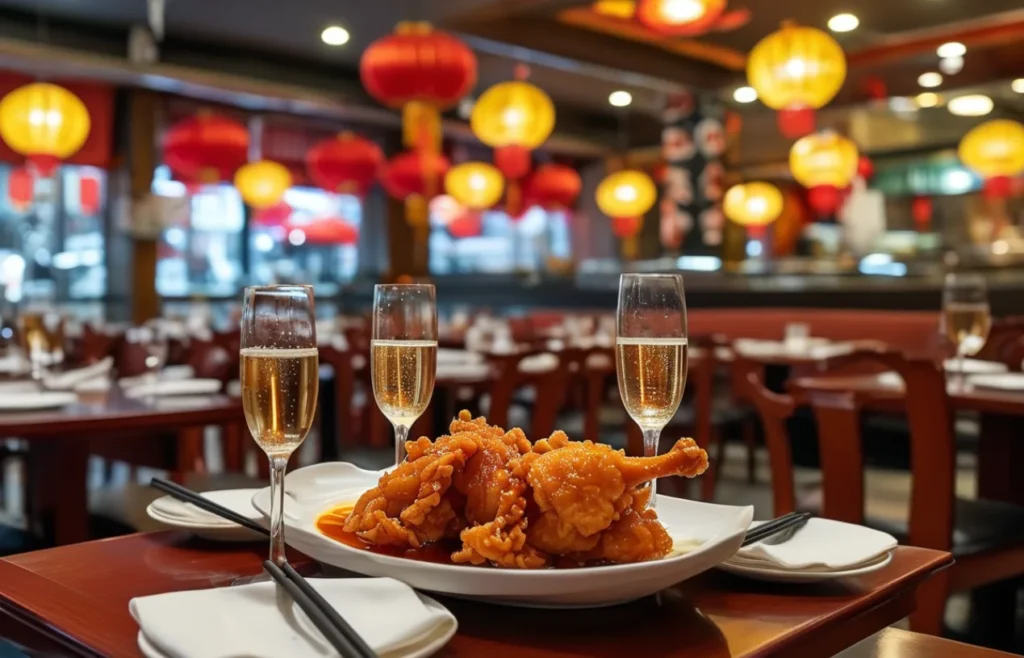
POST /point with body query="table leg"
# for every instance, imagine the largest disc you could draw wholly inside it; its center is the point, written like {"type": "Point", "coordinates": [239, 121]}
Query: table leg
{"type": "Point", "coordinates": [57, 482]}
{"type": "Point", "coordinates": [1000, 453]}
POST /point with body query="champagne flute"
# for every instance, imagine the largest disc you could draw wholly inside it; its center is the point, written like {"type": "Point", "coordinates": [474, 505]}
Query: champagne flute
{"type": "Point", "coordinates": [966, 318]}
{"type": "Point", "coordinates": [651, 352]}
{"type": "Point", "coordinates": [403, 354]}
{"type": "Point", "coordinates": [280, 380]}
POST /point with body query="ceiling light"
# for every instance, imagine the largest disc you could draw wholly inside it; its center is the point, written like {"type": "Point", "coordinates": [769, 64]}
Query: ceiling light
{"type": "Point", "coordinates": [952, 49]}
{"type": "Point", "coordinates": [1018, 85]}
{"type": "Point", "coordinates": [335, 35]}
{"type": "Point", "coordinates": [744, 95]}
{"type": "Point", "coordinates": [843, 23]}
{"type": "Point", "coordinates": [930, 79]}
{"type": "Point", "coordinates": [951, 65]}
{"type": "Point", "coordinates": [973, 105]}
{"type": "Point", "coordinates": [620, 98]}
{"type": "Point", "coordinates": [927, 99]}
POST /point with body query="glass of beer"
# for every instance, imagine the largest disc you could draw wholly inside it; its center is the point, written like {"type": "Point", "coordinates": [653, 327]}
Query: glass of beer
{"type": "Point", "coordinates": [280, 380]}
{"type": "Point", "coordinates": [966, 318]}
{"type": "Point", "coordinates": [403, 354]}
{"type": "Point", "coordinates": [650, 352]}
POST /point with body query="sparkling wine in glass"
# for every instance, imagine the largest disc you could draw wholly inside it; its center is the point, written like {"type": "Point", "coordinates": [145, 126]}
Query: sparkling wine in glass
{"type": "Point", "coordinates": [966, 318]}
{"type": "Point", "coordinates": [280, 381]}
{"type": "Point", "coordinates": [651, 352]}
{"type": "Point", "coordinates": [403, 355]}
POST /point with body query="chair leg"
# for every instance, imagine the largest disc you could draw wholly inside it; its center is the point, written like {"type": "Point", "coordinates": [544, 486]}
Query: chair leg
{"type": "Point", "coordinates": [710, 477]}
{"type": "Point", "coordinates": [931, 605]}
{"type": "Point", "coordinates": [750, 441]}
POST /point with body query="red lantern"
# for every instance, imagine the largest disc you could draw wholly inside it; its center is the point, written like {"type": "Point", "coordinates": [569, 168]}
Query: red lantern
{"type": "Point", "coordinates": [346, 164]}
{"type": "Point", "coordinates": [275, 215]}
{"type": "Point", "coordinates": [998, 187]}
{"type": "Point", "coordinates": [921, 211]}
{"type": "Point", "coordinates": [88, 194]}
{"type": "Point", "coordinates": [865, 168]}
{"type": "Point", "coordinates": [467, 225]}
{"type": "Point", "coordinates": [421, 70]}
{"type": "Point", "coordinates": [824, 199]}
{"type": "Point", "coordinates": [21, 186]}
{"type": "Point", "coordinates": [659, 16]}
{"type": "Point", "coordinates": [206, 148]}
{"type": "Point", "coordinates": [415, 177]}
{"type": "Point", "coordinates": [553, 187]}
{"type": "Point", "coordinates": [796, 122]}
{"type": "Point", "coordinates": [626, 227]}
{"type": "Point", "coordinates": [322, 231]}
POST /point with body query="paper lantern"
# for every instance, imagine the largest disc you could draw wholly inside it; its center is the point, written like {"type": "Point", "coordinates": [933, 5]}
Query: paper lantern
{"type": "Point", "coordinates": [275, 215]}
{"type": "Point", "coordinates": [262, 184]}
{"type": "Point", "coordinates": [865, 168]}
{"type": "Point", "coordinates": [681, 18]}
{"type": "Point", "coordinates": [796, 71]}
{"type": "Point", "coordinates": [88, 194]}
{"type": "Point", "coordinates": [921, 210]}
{"type": "Point", "coordinates": [346, 164]}
{"type": "Point", "coordinates": [754, 204]}
{"type": "Point", "coordinates": [44, 122]}
{"type": "Point", "coordinates": [21, 189]}
{"type": "Point", "coordinates": [553, 187]}
{"type": "Point", "coordinates": [824, 163]}
{"type": "Point", "coordinates": [624, 9]}
{"type": "Point", "coordinates": [626, 227]}
{"type": "Point", "coordinates": [422, 71]}
{"type": "Point", "coordinates": [466, 225]}
{"type": "Point", "coordinates": [322, 231]}
{"type": "Point", "coordinates": [475, 185]}
{"type": "Point", "coordinates": [206, 148]}
{"type": "Point", "coordinates": [995, 151]}
{"type": "Point", "coordinates": [513, 113]}
{"type": "Point", "coordinates": [627, 193]}
{"type": "Point", "coordinates": [415, 177]}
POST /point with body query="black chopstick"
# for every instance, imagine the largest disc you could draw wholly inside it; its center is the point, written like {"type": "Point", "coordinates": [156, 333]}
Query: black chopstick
{"type": "Point", "coordinates": [189, 496]}
{"type": "Point", "coordinates": [342, 637]}
{"type": "Point", "coordinates": [790, 521]}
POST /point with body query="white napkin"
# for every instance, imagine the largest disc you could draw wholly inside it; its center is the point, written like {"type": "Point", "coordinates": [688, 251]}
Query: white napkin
{"type": "Point", "coordinates": [236, 500]}
{"type": "Point", "coordinates": [234, 388]}
{"type": "Point", "coordinates": [72, 378]}
{"type": "Point", "coordinates": [183, 387]}
{"type": "Point", "coordinates": [7, 388]}
{"type": "Point", "coordinates": [14, 364]}
{"type": "Point", "coordinates": [539, 363]}
{"type": "Point", "coordinates": [168, 374]}
{"type": "Point", "coordinates": [227, 622]}
{"type": "Point", "coordinates": [450, 356]}
{"type": "Point", "coordinates": [463, 370]}
{"type": "Point", "coordinates": [1007, 381]}
{"type": "Point", "coordinates": [822, 544]}
{"type": "Point", "coordinates": [972, 366]}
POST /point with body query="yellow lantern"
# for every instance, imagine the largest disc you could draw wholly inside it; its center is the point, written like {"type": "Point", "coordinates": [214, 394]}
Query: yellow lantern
{"type": "Point", "coordinates": [624, 9]}
{"type": "Point", "coordinates": [263, 183]}
{"type": "Point", "coordinates": [824, 163]}
{"type": "Point", "coordinates": [475, 185]}
{"type": "Point", "coordinates": [754, 204]}
{"type": "Point", "coordinates": [44, 122]}
{"type": "Point", "coordinates": [995, 151]}
{"type": "Point", "coordinates": [796, 70]}
{"type": "Point", "coordinates": [513, 113]}
{"type": "Point", "coordinates": [626, 196]}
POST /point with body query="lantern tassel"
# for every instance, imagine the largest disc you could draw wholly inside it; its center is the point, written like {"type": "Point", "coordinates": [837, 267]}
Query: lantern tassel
{"type": "Point", "coordinates": [421, 127]}
{"type": "Point", "coordinates": [513, 198]}
{"type": "Point", "coordinates": [629, 248]}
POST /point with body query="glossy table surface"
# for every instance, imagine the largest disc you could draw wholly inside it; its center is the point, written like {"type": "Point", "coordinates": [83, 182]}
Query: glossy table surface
{"type": "Point", "coordinates": [896, 643]}
{"type": "Point", "coordinates": [75, 599]}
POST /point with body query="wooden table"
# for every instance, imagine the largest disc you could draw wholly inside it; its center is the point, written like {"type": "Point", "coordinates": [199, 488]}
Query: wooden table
{"type": "Point", "coordinates": [59, 442]}
{"type": "Point", "coordinates": [74, 599]}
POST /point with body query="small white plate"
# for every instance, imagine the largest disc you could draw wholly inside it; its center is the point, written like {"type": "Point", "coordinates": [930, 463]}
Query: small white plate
{"type": "Point", "coordinates": [315, 489]}
{"type": "Point", "coordinates": [214, 532]}
{"type": "Point", "coordinates": [184, 516]}
{"type": "Point", "coordinates": [36, 401]}
{"type": "Point", "coordinates": [790, 576]}
{"type": "Point", "coordinates": [1007, 381]}
{"type": "Point", "coordinates": [974, 366]}
{"type": "Point", "coordinates": [181, 387]}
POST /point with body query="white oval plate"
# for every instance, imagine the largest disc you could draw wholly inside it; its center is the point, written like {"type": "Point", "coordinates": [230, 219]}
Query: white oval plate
{"type": "Point", "coordinates": [791, 576]}
{"type": "Point", "coordinates": [36, 401]}
{"type": "Point", "coordinates": [974, 366]}
{"type": "Point", "coordinates": [1007, 381]}
{"type": "Point", "coordinates": [314, 489]}
{"type": "Point", "coordinates": [212, 531]}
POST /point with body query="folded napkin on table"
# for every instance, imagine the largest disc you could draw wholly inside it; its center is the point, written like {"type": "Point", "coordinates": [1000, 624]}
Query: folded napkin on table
{"type": "Point", "coordinates": [539, 363]}
{"type": "Point", "coordinates": [18, 387]}
{"type": "Point", "coordinates": [463, 370]}
{"type": "Point", "coordinates": [183, 387]}
{"type": "Point", "coordinates": [234, 389]}
{"type": "Point", "coordinates": [822, 544]}
{"type": "Point", "coordinates": [450, 356]}
{"type": "Point", "coordinates": [168, 374]}
{"type": "Point", "coordinates": [72, 378]}
{"type": "Point", "coordinates": [14, 364]}
{"type": "Point", "coordinates": [236, 500]}
{"type": "Point", "coordinates": [246, 621]}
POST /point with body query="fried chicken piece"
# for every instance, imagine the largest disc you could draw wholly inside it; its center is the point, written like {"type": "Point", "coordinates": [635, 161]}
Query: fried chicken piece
{"type": "Point", "coordinates": [637, 535]}
{"type": "Point", "coordinates": [409, 506]}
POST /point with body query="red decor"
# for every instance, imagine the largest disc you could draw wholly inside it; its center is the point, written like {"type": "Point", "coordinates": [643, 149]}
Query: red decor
{"type": "Point", "coordinates": [865, 168]}
{"type": "Point", "coordinates": [467, 225]}
{"type": "Point", "coordinates": [275, 215]}
{"type": "Point", "coordinates": [824, 199]}
{"type": "Point", "coordinates": [625, 227]}
{"type": "Point", "coordinates": [553, 187]}
{"type": "Point", "coordinates": [414, 173]}
{"type": "Point", "coordinates": [325, 231]}
{"type": "Point", "coordinates": [206, 148]}
{"type": "Point", "coordinates": [513, 161]}
{"type": "Point", "coordinates": [346, 164]}
{"type": "Point", "coordinates": [88, 194]}
{"type": "Point", "coordinates": [998, 187]}
{"type": "Point", "coordinates": [921, 211]}
{"type": "Point", "coordinates": [21, 189]}
{"type": "Point", "coordinates": [656, 15]}
{"type": "Point", "coordinates": [796, 122]}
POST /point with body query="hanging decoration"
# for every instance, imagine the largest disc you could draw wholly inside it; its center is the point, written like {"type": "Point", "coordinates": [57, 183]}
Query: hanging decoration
{"type": "Point", "coordinates": [513, 118]}
{"type": "Point", "coordinates": [689, 18]}
{"type": "Point", "coordinates": [626, 196]}
{"type": "Point", "coordinates": [413, 177]}
{"type": "Point", "coordinates": [263, 184]}
{"type": "Point", "coordinates": [825, 163]}
{"type": "Point", "coordinates": [345, 164]}
{"type": "Point", "coordinates": [270, 216]}
{"type": "Point", "coordinates": [796, 71]}
{"type": "Point", "coordinates": [205, 148]}
{"type": "Point", "coordinates": [89, 194]}
{"type": "Point", "coordinates": [466, 225]}
{"type": "Point", "coordinates": [754, 205]}
{"type": "Point", "coordinates": [921, 209]}
{"type": "Point", "coordinates": [21, 189]}
{"type": "Point", "coordinates": [475, 185]}
{"type": "Point", "coordinates": [865, 169]}
{"type": "Point", "coordinates": [321, 231]}
{"type": "Point", "coordinates": [995, 151]}
{"type": "Point", "coordinates": [44, 122]}
{"type": "Point", "coordinates": [421, 71]}
{"type": "Point", "coordinates": [553, 187]}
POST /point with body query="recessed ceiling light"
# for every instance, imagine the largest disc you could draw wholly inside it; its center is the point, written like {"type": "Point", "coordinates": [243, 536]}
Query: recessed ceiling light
{"type": "Point", "coordinates": [744, 95]}
{"type": "Point", "coordinates": [927, 99]}
{"type": "Point", "coordinates": [973, 105]}
{"type": "Point", "coordinates": [843, 23]}
{"type": "Point", "coordinates": [930, 79]}
{"type": "Point", "coordinates": [952, 49]}
{"type": "Point", "coordinates": [1018, 85]}
{"type": "Point", "coordinates": [335, 35]}
{"type": "Point", "coordinates": [620, 98]}
{"type": "Point", "coordinates": [951, 65]}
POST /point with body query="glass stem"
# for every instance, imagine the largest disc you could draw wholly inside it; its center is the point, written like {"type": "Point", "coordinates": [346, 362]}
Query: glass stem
{"type": "Point", "coordinates": [651, 450]}
{"type": "Point", "coordinates": [401, 436]}
{"type": "Point", "coordinates": [277, 469]}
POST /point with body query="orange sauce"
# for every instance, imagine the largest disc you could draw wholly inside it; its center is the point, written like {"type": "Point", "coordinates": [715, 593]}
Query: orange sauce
{"type": "Point", "coordinates": [330, 524]}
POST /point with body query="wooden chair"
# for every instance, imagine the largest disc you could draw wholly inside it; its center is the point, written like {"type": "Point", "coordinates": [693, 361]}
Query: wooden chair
{"type": "Point", "coordinates": [548, 385]}
{"type": "Point", "coordinates": [340, 362]}
{"type": "Point", "coordinates": [986, 537]}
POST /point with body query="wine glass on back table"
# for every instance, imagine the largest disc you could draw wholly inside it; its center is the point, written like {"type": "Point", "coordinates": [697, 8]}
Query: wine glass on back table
{"type": "Point", "coordinates": [280, 381]}
{"type": "Point", "coordinates": [966, 318]}
{"type": "Point", "coordinates": [403, 354]}
{"type": "Point", "coordinates": [651, 352]}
